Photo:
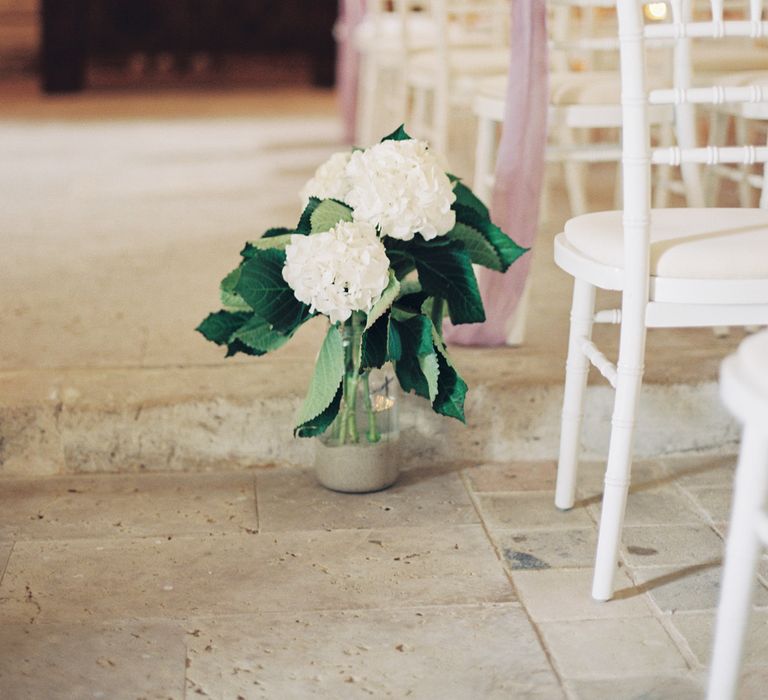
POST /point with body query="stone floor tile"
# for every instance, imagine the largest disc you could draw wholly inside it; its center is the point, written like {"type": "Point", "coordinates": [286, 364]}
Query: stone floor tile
{"type": "Point", "coordinates": [611, 648]}
{"type": "Point", "coordinates": [545, 549]}
{"type": "Point", "coordinates": [715, 501]}
{"type": "Point", "coordinates": [290, 499]}
{"type": "Point", "coordinates": [531, 510]}
{"type": "Point", "coordinates": [684, 588]}
{"type": "Point", "coordinates": [512, 476]}
{"type": "Point", "coordinates": [698, 628]}
{"type": "Point", "coordinates": [701, 470]}
{"type": "Point", "coordinates": [451, 653]}
{"type": "Point", "coordinates": [677, 544]}
{"type": "Point", "coordinates": [119, 661]}
{"type": "Point", "coordinates": [682, 687]}
{"type": "Point", "coordinates": [554, 594]}
{"type": "Point", "coordinates": [665, 506]}
{"type": "Point", "coordinates": [60, 581]}
{"type": "Point", "coordinates": [646, 474]}
{"type": "Point", "coordinates": [127, 505]}
{"type": "Point", "coordinates": [753, 682]}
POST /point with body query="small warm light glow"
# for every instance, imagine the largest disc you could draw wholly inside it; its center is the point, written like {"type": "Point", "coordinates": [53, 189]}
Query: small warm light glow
{"type": "Point", "coordinates": [655, 11]}
{"type": "Point", "coordinates": [382, 403]}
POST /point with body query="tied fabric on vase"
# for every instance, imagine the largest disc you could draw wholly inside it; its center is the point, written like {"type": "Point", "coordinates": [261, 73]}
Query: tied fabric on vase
{"type": "Point", "coordinates": [519, 172]}
{"type": "Point", "coordinates": [383, 249]}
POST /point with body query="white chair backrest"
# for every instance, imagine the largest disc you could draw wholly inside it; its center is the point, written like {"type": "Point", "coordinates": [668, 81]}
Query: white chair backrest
{"type": "Point", "coordinates": [635, 34]}
{"type": "Point", "coordinates": [583, 35]}
{"type": "Point", "coordinates": [481, 23]}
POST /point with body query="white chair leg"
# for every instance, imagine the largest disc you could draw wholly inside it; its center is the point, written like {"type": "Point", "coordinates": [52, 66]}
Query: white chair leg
{"type": "Point", "coordinates": [741, 136]}
{"type": "Point", "coordinates": [617, 474]}
{"type": "Point", "coordinates": [718, 130]}
{"type": "Point", "coordinates": [440, 120]}
{"type": "Point", "coordinates": [367, 95]}
{"type": "Point", "coordinates": [764, 189]}
{"type": "Point", "coordinates": [574, 176]}
{"type": "Point", "coordinates": [485, 152]}
{"type": "Point", "coordinates": [577, 369]}
{"type": "Point", "coordinates": [741, 556]}
{"type": "Point", "coordinates": [663, 178]}
{"type": "Point", "coordinates": [516, 325]}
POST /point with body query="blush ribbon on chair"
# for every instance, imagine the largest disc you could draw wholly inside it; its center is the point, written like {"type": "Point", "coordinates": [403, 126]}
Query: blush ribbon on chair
{"type": "Point", "coordinates": [519, 172]}
{"type": "Point", "coordinates": [351, 13]}
{"type": "Point", "coordinates": [520, 163]}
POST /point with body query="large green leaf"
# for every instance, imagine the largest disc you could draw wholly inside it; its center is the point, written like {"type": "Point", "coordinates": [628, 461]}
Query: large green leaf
{"type": "Point", "coordinates": [219, 327]}
{"type": "Point", "coordinates": [398, 134]}
{"type": "Point", "coordinates": [259, 336]}
{"type": "Point", "coordinates": [327, 214]}
{"type": "Point", "coordinates": [480, 250]}
{"type": "Point", "coordinates": [374, 343]}
{"type": "Point", "coordinates": [467, 198]}
{"type": "Point", "coordinates": [318, 425]}
{"type": "Point", "coordinates": [415, 336]}
{"type": "Point", "coordinates": [305, 222]}
{"type": "Point", "coordinates": [451, 388]}
{"type": "Point", "coordinates": [445, 270]}
{"type": "Point", "coordinates": [278, 242]}
{"type": "Point", "coordinates": [507, 250]}
{"type": "Point", "coordinates": [431, 371]}
{"type": "Point", "coordinates": [263, 288]}
{"type": "Point", "coordinates": [230, 299]}
{"type": "Point", "coordinates": [385, 301]}
{"type": "Point", "coordinates": [451, 391]}
{"type": "Point", "coordinates": [325, 384]}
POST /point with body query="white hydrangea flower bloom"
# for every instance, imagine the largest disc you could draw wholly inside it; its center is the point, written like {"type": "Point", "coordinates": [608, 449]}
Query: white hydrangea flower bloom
{"type": "Point", "coordinates": [400, 187]}
{"type": "Point", "coordinates": [338, 271]}
{"type": "Point", "coordinates": [329, 181]}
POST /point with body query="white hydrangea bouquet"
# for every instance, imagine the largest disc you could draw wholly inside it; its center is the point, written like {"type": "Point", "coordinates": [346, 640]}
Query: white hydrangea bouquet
{"type": "Point", "coordinates": [385, 244]}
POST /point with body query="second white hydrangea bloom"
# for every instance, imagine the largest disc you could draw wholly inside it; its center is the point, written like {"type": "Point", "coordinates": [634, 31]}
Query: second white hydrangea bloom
{"type": "Point", "coordinates": [400, 187]}
{"type": "Point", "coordinates": [329, 181]}
{"type": "Point", "coordinates": [338, 271]}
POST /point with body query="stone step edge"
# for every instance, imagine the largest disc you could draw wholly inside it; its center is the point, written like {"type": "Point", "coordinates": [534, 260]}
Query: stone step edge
{"type": "Point", "coordinates": [109, 423]}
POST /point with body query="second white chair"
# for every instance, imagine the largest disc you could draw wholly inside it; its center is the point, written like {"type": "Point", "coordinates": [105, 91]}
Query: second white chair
{"type": "Point", "coordinates": [674, 267]}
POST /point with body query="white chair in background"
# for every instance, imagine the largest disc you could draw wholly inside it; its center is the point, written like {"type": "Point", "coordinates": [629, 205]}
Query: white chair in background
{"type": "Point", "coordinates": [674, 267]}
{"type": "Point", "coordinates": [472, 42]}
{"type": "Point", "coordinates": [384, 49]}
{"type": "Point", "coordinates": [585, 111]}
{"type": "Point", "coordinates": [744, 389]}
{"type": "Point", "coordinates": [745, 118]}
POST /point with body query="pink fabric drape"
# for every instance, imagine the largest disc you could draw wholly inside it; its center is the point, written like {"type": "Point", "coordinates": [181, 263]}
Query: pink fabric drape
{"type": "Point", "coordinates": [519, 172]}
{"type": "Point", "coordinates": [351, 13]}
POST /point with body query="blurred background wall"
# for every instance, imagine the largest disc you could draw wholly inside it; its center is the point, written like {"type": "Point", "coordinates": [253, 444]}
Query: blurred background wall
{"type": "Point", "coordinates": [71, 45]}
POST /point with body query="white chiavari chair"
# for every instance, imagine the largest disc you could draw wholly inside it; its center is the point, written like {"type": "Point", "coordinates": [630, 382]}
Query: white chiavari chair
{"type": "Point", "coordinates": [381, 42]}
{"type": "Point", "coordinates": [674, 267]}
{"type": "Point", "coordinates": [744, 388]}
{"type": "Point", "coordinates": [472, 42]}
{"type": "Point", "coordinates": [585, 111]}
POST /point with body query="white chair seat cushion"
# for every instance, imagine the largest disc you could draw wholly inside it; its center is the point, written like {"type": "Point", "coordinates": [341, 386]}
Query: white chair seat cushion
{"type": "Point", "coordinates": [753, 359]}
{"type": "Point", "coordinates": [685, 243]}
{"type": "Point", "coordinates": [587, 88]}
{"type": "Point", "coordinates": [468, 60]}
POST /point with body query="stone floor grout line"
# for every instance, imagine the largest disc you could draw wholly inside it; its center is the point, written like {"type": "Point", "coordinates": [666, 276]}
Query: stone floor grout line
{"type": "Point", "coordinates": [7, 560]}
{"type": "Point", "coordinates": [539, 636]}
{"type": "Point", "coordinates": [680, 642]}
{"type": "Point", "coordinates": [256, 503]}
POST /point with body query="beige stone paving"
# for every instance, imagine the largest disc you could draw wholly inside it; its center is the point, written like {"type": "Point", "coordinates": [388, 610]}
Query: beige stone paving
{"type": "Point", "coordinates": [464, 588]}
{"type": "Point", "coordinates": [112, 505]}
{"type": "Point", "coordinates": [447, 652]}
{"type": "Point", "coordinates": [289, 499]}
{"type": "Point", "coordinates": [108, 660]}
